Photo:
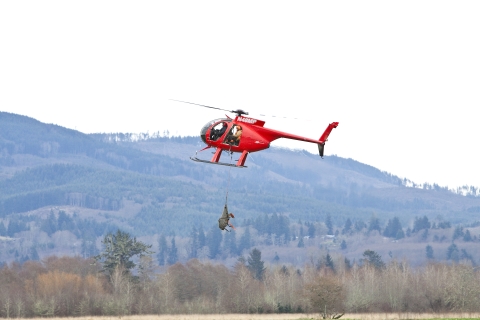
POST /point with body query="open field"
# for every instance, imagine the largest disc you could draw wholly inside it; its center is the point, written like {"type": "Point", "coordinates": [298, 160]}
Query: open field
{"type": "Point", "coordinates": [364, 316]}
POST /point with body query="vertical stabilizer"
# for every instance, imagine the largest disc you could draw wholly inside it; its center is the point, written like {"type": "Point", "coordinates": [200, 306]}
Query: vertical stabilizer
{"type": "Point", "coordinates": [324, 137]}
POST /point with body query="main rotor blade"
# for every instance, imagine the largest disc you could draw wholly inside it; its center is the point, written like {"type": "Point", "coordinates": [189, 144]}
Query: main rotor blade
{"type": "Point", "coordinates": [283, 117]}
{"type": "Point", "coordinates": [202, 105]}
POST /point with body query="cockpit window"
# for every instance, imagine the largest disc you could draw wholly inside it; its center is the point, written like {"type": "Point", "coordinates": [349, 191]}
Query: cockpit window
{"type": "Point", "coordinates": [218, 130]}
{"type": "Point", "coordinates": [203, 132]}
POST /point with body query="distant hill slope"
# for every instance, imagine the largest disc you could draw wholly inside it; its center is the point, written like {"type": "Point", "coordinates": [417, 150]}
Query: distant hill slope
{"type": "Point", "coordinates": [104, 170]}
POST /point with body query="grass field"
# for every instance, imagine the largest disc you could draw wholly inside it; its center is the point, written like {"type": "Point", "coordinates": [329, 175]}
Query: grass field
{"type": "Point", "coordinates": [366, 316]}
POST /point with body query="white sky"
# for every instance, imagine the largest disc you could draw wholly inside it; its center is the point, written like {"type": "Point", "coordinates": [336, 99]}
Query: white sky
{"type": "Point", "coordinates": [401, 77]}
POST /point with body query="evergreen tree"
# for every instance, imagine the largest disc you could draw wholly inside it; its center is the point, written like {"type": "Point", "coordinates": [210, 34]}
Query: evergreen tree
{"type": "Point", "coordinates": [465, 256]}
{"type": "Point", "coordinates": [194, 246]}
{"type": "Point", "coordinates": [453, 253]}
{"type": "Point", "coordinates": [284, 229]}
{"type": "Point", "coordinates": [360, 225]}
{"type": "Point", "coordinates": [15, 226]}
{"type": "Point", "coordinates": [301, 244]}
{"type": "Point", "coordinates": [284, 270]}
{"type": "Point", "coordinates": [373, 258]}
{"type": "Point", "coordinates": [393, 229]}
{"type": "Point", "coordinates": [49, 225]}
{"type": "Point", "coordinates": [276, 258]}
{"type": "Point", "coordinates": [408, 233]}
{"type": "Point", "coordinates": [255, 264]}
{"type": "Point", "coordinates": [329, 262]}
{"type": "Point", "coordinates": [343, 245]}
{"type": "Point", "coordinates": [329, 224]}
{"type": "Point", "coordinates": [420, 224]}
{"type": "Point", "coordinates": [458, 233]}
{"type": "Point", "coordinates": [311, 230]}
{"type": "Point", "coordinates": [429, 252]}
{"type": "Point", "coordinates": [119, 249]}
{"type": "Point", "coordinates": [347, 228]}
{"type": "Point", "coordinates": [348, 264]}
{"type": "Point", "coordinates": [374, 224]}
{"type": "Point", "coordinates": [162, 250]}
{"type": "Point", "coordinates": [241, 260]}
{"type": "Point", "coordinates": [444, 225]}
{"type": "Point", "coordinates": [64, 221]}
{"type": "Point", "coordinates": [172, 253]}
{"type": "Point", "coordinates": [467, 237]}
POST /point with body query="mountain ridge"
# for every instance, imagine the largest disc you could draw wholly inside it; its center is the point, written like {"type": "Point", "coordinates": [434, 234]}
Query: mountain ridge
{"type": "Point", "coordinates": [21, 136]}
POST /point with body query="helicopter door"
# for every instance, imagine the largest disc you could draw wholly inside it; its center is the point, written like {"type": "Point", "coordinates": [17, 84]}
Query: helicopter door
{"type": "Point", "coordinates": [233, 137]}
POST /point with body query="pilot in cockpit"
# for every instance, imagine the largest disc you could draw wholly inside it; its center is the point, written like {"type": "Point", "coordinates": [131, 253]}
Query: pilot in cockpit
{"type": "Point", "coordinates": [222, 129]}
{"type": "Point", "coordinates": [218, 132]}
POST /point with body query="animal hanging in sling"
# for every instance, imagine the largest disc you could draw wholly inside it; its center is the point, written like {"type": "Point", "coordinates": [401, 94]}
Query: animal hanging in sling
{"type": "Point", "coordinates": [223, 222]}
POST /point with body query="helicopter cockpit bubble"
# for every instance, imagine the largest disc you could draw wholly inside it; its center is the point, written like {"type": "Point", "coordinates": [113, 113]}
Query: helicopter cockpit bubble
{"type": "Point", "coordinates": [211, 124]}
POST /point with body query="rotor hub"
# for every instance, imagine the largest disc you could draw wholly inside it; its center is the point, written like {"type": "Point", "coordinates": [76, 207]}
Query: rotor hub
{"type": "Point", "coordinates": [239, 112]}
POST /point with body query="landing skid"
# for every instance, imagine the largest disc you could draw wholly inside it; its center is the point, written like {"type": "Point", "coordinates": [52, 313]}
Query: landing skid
{"type": "Point", "coordinates": [220, 163]}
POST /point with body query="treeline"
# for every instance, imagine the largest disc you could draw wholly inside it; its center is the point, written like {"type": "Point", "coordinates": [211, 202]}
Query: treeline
{"type": "Point", "coordinates": [75, 287]}
{"type": "Point", "coordinates": [87, 187]}
{"type": "Point", "coordinates": [277, 231]}
{"type": "Point", "coordinates": [393, 229]}
{"type": "Point", "coordinates": [134, 137]}
{"type": "Point", "coordinates": [85, 231]}
{"type": "Point", "coordinates": [272, 231]}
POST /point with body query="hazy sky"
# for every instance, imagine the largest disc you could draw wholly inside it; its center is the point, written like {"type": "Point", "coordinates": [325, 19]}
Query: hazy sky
{"type": "Point", "coordinates": [401, 77]}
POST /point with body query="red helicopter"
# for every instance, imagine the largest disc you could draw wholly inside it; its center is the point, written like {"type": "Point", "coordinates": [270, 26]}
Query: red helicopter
{"type": "Point", "coordinates": [244, 135]}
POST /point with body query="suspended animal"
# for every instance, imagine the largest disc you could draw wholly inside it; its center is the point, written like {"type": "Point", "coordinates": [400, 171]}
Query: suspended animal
{"type": "Point", "coordinates": [224, 219]}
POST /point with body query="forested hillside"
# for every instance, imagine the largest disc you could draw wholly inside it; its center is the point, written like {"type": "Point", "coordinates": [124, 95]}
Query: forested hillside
{"type": "Point", "coordinates": [61, 190]}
